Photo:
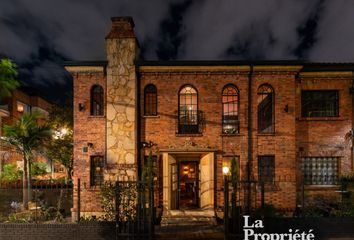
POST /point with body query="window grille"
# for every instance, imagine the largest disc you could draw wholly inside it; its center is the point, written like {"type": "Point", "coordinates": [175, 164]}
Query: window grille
{"type": "Point", "coordinates": [320, 170]}
{"type": "Point", "coordinates": [96, 171]}
{"type": "Point", "coordinates": [96, 101]}
{"type": "Point", "coordinates": [320, 103]}
{"type": "Point", "coordinates": [265, 109]}
{"type": "Point", "coordinates": [188, 117]}
{"type": "Point", "coordinates": [150, 100]}
{"type": "Point", "coordinates": [230, 109]}
{"type": "Point", "coordinates": [266, 169]}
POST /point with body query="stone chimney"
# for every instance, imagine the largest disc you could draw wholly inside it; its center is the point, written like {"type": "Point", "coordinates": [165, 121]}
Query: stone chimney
{"type": "Point", "coordinates": [121, 125]}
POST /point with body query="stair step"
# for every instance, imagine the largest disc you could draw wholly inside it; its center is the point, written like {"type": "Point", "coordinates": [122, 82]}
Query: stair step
{"type": "Point", "coordinates": [182, 221]}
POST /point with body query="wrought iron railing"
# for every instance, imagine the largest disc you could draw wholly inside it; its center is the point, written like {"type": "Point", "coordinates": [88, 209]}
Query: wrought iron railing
{"type": "Point", "coordinates": [189, 122]}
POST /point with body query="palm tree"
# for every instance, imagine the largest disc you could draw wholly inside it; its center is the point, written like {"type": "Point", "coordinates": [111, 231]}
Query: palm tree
{"type": "Point", "coordinates": [8, 81]}
{"type": "Point", "coordinates": [27, 135]}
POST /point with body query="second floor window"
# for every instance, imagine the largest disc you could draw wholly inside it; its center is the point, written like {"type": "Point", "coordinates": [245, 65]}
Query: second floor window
{"type": "Point", "coordinates": [23, 108]}
{"type": "Point", "coordinates": [188, 110]}
{"type": "Point", "coordinates": [230, 109]}
{"type": "Point", "coordinates": [322, 103]}
{"type": "Point", "coordinates": [96, 100]}
{"type": "Point", "coordinates": [265, 109]}
{"type": "Point", "coordinates": [150, 100]}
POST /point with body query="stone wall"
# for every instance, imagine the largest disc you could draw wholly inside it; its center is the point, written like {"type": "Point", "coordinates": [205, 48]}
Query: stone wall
{"type": "Point", "coordinates": [121, 135]}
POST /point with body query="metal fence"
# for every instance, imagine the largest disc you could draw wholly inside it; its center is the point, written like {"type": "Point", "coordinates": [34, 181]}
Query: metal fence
{"type": "Point", "coordinates": [48, 202]}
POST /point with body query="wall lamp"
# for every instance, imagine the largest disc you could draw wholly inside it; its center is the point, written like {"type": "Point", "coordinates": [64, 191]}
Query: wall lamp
{"type": "Point", "coordinates": [148, 144]}
{"type": "Point", "coordinates": [286, 108]}
{"type": "Point", "coordinates": [90, 145]}
{"type": "Point", "coordinates": [81, 107]}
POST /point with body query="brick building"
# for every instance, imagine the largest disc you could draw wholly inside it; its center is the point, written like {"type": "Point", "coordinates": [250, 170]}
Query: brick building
{"type": "Point", "coordinates": [288, 123]}
{"type": "Point", "coordinates": [24, 100]}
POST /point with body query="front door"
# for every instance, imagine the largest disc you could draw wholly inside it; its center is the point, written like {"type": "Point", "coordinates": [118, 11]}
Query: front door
{"type": "Point", "coordinates": [188, 184]}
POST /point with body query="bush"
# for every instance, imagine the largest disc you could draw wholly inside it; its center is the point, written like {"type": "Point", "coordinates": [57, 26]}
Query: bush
{"type": "Point", "coordinates": [38, 169]}
{"type": "Point", "coordinates": [10, 173]}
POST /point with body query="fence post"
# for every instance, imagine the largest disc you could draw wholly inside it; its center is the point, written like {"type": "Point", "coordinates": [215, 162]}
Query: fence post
{"type": "Point", "coordinates": [116, 191]}
{"type": "Point", "coordinates": [151, 206]}
{"type": "Point", "coordinates": [78, 200]}
{"type": "Point", "coordinates": [226, 207]}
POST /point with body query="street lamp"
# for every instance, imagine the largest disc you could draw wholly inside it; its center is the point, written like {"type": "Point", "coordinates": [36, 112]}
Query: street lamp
{"type": "Point", "coordinates": [225, 171]}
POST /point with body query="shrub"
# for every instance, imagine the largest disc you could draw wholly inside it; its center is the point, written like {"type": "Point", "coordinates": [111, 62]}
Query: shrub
{"type": "Point", "coordinates": [10, 173]}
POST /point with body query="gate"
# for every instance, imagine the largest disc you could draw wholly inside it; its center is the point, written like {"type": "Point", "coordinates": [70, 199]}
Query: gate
{"type": "Point", "coordinates": [240, 197]}
{"type": "Point", "coordinates": [135, 211]}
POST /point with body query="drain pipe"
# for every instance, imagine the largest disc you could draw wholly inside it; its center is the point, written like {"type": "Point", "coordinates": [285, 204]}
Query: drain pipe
{"type": "Point", "coordinates": [250, 143]}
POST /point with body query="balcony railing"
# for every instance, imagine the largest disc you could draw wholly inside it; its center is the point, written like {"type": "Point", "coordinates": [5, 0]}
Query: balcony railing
{"type": "Point", "coordinates": [189, 122]}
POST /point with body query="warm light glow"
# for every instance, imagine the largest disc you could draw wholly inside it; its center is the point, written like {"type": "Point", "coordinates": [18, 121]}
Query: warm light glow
{"type": "Point", "coordinates": [64, 131]}
{"type": "Point", "coordinates": [225, 170]}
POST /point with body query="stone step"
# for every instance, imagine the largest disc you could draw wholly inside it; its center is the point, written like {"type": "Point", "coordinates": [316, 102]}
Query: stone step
{"type": "Point", "coordinates": [189, 232]}
{"type": "Point", "coordinates": [188, 221]}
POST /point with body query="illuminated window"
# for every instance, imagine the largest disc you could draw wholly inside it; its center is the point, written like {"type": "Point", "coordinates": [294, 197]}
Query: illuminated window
{"type": "Point", "coordinates": [320, 170]}
{"type": "Point", "coordinates": [266, 169]}
{"type": "Point", "coordinates": [96, 101]}
{"type": "Point", "coordinates": [150, 100]}
{"type": "Point", "coordinates": [265, 109]}
{"type": "Point", "coordinates": [96, 170]}
{"type": "Point", "coordinates": [188, 110]}
{"type": "Point", "coordinates": [323, 103]}
{"type": "Point", "coordinates": [230, 109]}
{"type": "Point", "coordinates": [23, 108]}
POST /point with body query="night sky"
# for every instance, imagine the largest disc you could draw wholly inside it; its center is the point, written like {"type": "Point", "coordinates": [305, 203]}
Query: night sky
{"type": "Point", "coordinates": [39, 34]}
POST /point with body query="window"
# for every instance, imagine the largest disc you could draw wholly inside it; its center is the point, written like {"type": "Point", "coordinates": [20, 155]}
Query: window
{"type": "Point", "coordinates": [320, 170]}
{"type": "Point", "coordinates": [266, 169]}
{"type": "Point", "coordinates": [96, 101]}
{"type": "Point", "coordinates": [154, 164]}
{"type": "Point", "coordinates": [230, 109]}
{"type": "Point", "coordinates": [188, 110]}
{"type": "Point", "coordinates": [23, 108]}
{"type": "Point", "coordinates": [323, 103]}
{"type": "Point", "coordinates": [265, 109]}
{"type": "Point", "coordinates": [150, 100]}
{"type": "Point", "coordinates": [96, 171]}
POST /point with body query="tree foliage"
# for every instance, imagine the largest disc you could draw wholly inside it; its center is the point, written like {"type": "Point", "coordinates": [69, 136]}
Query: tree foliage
{"type": "Point", "coordinates": [27, 135]}
{"type": "Point", "coordinates": [8, 75]}
{"type": "Point", "coordinates": [60, 148]}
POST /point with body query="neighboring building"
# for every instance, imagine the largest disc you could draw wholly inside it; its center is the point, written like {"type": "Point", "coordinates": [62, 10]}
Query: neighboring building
{"type": "Point", "coordinates": [285, 121]}
{"type": "Point", "coordinates": [24, 100]}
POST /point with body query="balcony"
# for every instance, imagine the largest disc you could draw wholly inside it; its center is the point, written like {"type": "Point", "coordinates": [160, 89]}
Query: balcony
{"type": "Point", "coordinates": [189, 122]}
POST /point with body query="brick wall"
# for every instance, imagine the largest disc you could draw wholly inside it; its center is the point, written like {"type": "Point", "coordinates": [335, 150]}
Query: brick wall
{"type": "Point", "coordinates": [162, 129]}
{"type": "Point", "coordinates": [87, 129]}
{"type": "Point", "coordinates": [84, 231]}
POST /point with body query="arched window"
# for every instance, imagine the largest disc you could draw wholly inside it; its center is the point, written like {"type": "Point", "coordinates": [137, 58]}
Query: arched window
{"type": "Point", "coordinates": [96, 101]}
{"type": "Point", "coordinates": [265, 109]}
{"type": "Point", "coordinates": [230, 109]}
{"type": "Point", "coordinates": [150, 100]}
{"type": "Point", "coordinates": [188, 110]}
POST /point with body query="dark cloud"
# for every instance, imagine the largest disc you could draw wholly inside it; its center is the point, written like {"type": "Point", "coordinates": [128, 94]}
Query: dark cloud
{"type": "Point", "coordinates": [39, 34]}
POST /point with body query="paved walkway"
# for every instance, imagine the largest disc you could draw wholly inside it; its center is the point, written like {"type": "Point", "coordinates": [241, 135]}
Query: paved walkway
{"type": "Point", "coordinates": [212, 232]}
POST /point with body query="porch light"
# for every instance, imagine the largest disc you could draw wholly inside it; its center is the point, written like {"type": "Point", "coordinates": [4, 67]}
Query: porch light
{"type": "Point", "coordinates": [225, 170]}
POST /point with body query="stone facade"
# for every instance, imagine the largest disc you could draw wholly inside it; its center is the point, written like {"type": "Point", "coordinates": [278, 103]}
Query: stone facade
{"type": "Point", "coordinates": [121, 124]}
{"type": "Point", "coordinates": [118, 134]}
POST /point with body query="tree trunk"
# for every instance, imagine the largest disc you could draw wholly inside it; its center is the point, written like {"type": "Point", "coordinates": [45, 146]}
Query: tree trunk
{"type": "Point", "coordinates": [25, 183]}
{"type": "Point", "coordinates": [29, 180]}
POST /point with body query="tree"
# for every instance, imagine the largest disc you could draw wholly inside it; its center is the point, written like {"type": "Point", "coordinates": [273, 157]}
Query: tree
{"type": "Point", "coordinates": [27, 135]}
{"type": "Point", "coordinates": [60, 148]}
{"type": "Point", "coordinates": [8, 81]}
